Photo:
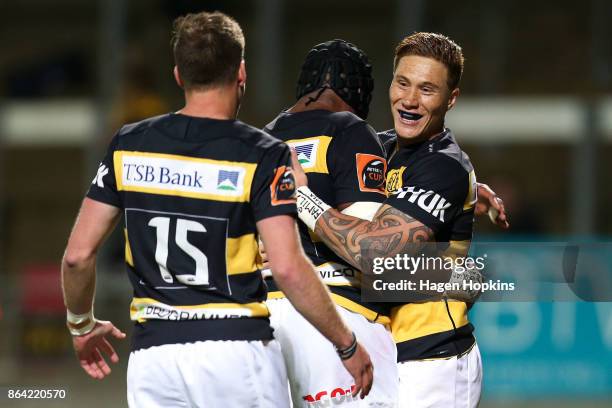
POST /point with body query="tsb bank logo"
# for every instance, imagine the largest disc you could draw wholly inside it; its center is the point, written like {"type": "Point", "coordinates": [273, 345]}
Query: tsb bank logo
{"type": "Point", "coordinates": [337, 396]}
{"type": "Point", "coordinates": [306, 152]}
{"type": "Point", "coordinates": [227, 180]}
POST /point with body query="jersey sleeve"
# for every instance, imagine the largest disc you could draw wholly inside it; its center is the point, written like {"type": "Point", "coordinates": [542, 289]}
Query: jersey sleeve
{"type": "Point", "coordinates": [104, 186]}
{"type": "Point", "coordinates": [433, 190]}
{"type": "Point", "coordinates": [273, 189]}
{"type": "Point", "coordinates": [357, 165]}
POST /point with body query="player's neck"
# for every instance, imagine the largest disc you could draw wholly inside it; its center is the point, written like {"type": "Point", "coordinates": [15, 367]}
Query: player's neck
{"type": "Point", "coordinates": [216, 103]}
{"type": "Point", "coordinates": [412, 142]}
{"type": "Point", "coordinates": [328, 100]}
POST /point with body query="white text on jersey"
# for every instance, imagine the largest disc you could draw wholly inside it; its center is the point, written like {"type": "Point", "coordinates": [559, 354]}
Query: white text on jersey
{"type": "Point", "coordinates": [428, 200]}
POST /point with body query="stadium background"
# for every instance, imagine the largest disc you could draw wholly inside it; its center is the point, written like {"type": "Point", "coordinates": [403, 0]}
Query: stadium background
{"type": "Point", "coordinates": [535, 116]}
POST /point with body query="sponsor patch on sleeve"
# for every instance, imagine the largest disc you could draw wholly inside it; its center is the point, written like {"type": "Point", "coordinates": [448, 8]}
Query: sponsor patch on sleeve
{"type": "Point", "coordinates": [282, 189]}
{"type": "Point", "coordinates": [371, 172]}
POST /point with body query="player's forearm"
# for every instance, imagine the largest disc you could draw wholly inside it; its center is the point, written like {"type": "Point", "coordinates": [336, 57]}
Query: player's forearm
{"type": "Point", "coordinates": [311, 298]}
{"type": "Point", "coordinates": [95, 221]}
{"type": "Point", "coordinates": [317, 215]}
{"type": "Point", "coordinates": [359, 242]}
{"type": "Point", "coordinates": [78, 283]}
{"type": "Point", "coordinates": [343, 234]}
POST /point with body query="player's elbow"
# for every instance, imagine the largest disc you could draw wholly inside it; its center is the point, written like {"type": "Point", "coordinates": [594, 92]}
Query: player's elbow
{"type": "Point", "coordinates": [77, 258]}
{"type": "Point", "coordinates": [288, 273]}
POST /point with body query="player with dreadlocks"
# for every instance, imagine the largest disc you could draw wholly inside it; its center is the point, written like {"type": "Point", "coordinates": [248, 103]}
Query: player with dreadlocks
{"type": "Point", "coordinates": [345, 165]}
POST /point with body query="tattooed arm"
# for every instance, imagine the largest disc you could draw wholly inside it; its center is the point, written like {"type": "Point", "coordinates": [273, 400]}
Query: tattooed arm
{"type": "Point", "coordinates": [391, 232]}
{"type": "Point", "coordinates": [358, 242]}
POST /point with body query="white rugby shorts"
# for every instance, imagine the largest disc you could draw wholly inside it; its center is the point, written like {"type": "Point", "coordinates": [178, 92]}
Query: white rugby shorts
{"type": "Point", "coordinates": [317, 376]}
{"type": "Point", "coordinates": [454, 382]}
{"type": "Point", "coordinates": [210, 374]}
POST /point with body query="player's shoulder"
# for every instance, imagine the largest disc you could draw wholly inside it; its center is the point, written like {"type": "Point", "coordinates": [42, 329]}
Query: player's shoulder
{"type": "Point", "coordinates": [446, 149]}
{"type": "Point", "coordinates": [234, 129]}
{"type": "Point", "coordinates": [349, 129]}
{"type": "Point", "coordinates": [256, 138]}
{"type": "Point", "coordinates": [437, 164]}
{"type": "Point", "coordinates": [439, 156]}
{"type": "Point", "coordinates": [141, 126]}
{"type": "Point", "coordinates": [387, 135]}
{"type": "Point", "coordinates": [388, 140]}
{"type": "Point", "coordinates": [334, 121]}
{"type": "Point", "coordinates": [345, 119]}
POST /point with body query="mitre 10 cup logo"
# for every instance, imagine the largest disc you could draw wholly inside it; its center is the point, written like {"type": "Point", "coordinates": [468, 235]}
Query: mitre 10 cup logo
{"type": "Point", "coordinates": [282, 189]}
{"type": "Point", "coordinates": [371, 172]}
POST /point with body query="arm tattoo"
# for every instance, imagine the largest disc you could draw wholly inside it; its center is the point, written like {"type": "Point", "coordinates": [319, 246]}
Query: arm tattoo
{"type": "Point", "coordinates": [359, 241]}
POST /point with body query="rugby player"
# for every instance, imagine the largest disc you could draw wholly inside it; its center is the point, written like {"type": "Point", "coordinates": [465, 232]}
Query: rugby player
{"type": "Point", "coordinates": [345, 165]}
{"type": "Point", "coordinates": [196, 188]}
{"type": "Point", "coordinates": [431, 188]}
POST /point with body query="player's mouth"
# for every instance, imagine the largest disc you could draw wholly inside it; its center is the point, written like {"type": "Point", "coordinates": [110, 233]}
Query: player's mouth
{"type": "Point", "coordinates": [409, 118]}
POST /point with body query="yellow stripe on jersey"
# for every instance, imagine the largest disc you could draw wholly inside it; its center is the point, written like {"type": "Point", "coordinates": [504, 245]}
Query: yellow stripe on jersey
{"type": "Point", "coordinates": [472, 197]}
{"type": "Point", "coordinates": [143, 309]}
{"type": "Point", "coordinates": [183, 176]}
{"type": "Point", "coordinates": [128, 250]}
{"type": "Point", "coordinates": [347, 304]}
{"type": "Point", "coordinates": [357, 308]}
{"type": "Point", "coordinates": [312, 153]}
{"type": "Point", "coordinates": [243, 255]}
{"type": "Point", "coordinates": [414, 320]}
{"type": "Point", "coordinates": [277, 294]}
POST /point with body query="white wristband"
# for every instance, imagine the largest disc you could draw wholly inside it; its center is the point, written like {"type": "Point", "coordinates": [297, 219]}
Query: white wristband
{"type": "Point", "coordinates": [310, 207]}
{"type": "Point", "coordinates": [80, 324]}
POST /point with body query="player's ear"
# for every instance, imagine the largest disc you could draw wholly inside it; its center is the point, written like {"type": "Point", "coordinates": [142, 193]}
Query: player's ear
{"type": "Point", "coordinates": [453, 98]}
{"type": "Point", "coordinates": [177, 77]}
{"type": "Point", "coordinates": [242, 75]}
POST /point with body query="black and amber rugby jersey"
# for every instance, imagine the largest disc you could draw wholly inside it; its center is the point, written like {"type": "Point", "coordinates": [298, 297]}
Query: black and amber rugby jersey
{"type": "Point", "coordinates": [192, 190]}
{"type": "Point", "coordinates": [433, 182]}
{"type": "Point", "coordinates": [344, 163]}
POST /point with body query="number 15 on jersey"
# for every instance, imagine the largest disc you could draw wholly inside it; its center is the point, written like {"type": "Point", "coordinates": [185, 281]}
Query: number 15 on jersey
{"type": "Point", "coordinates": [175, 250]}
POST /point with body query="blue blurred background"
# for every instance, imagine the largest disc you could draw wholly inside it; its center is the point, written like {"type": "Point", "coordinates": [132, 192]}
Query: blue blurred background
{"type": "Point", "coordinates": [535, 116]}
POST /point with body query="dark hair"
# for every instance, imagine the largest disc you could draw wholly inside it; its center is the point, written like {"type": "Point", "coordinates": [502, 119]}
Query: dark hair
{"type": "Point", "coordinates": [435, 46]}
{"type": "Point", "coordinates": [341, 66]}
{"type": "Point", "coordinates": [208, 49]}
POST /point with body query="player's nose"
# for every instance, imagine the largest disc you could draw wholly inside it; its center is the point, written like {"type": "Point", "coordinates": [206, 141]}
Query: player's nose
{"type": "Point", "coordinates": [410, 100]}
